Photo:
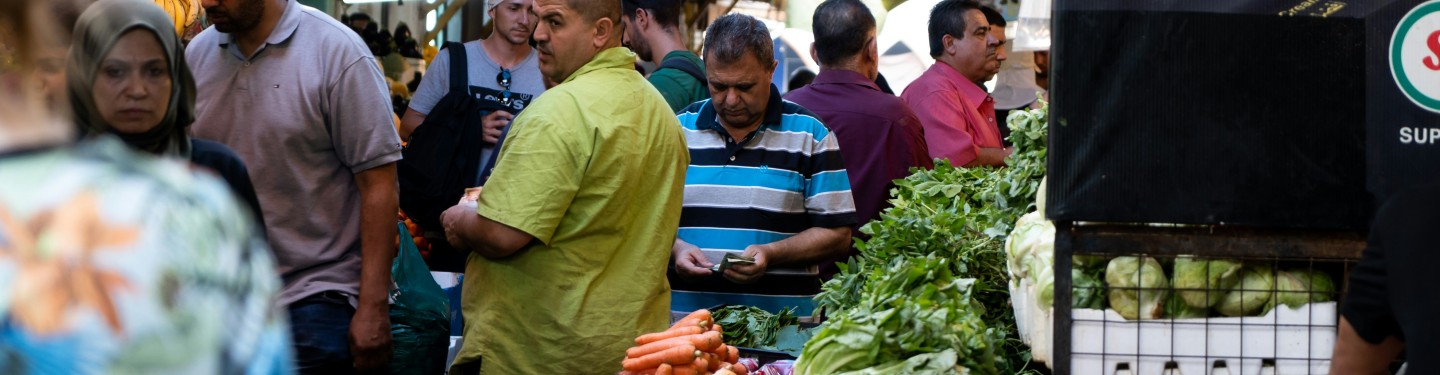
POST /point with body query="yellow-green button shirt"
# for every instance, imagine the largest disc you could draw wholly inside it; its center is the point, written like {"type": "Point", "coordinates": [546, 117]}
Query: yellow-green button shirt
{"type": "Point", "coordinates": [594, 170]}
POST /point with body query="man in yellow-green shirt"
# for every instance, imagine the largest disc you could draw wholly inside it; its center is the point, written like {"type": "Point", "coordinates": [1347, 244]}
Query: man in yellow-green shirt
{"type": "Point", "coordinates": [575, 226]}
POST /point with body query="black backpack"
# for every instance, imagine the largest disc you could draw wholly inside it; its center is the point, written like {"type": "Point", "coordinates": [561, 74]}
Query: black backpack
{"type": "Point", "coordinates": [442, 157]}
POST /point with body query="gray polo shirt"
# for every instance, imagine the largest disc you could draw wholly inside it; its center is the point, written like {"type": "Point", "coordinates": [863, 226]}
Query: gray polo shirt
{"type": "Point", "coordinates": [306, 112]}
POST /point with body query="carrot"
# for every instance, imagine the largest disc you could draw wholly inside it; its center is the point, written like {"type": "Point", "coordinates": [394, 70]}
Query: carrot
{"type": "Point", "coordinates": [700, 318]}
{"type": "Point", "coordinates": [704, 342]}
{"type": "Point", "coordinates": [739, 369]}
{"type": "Point", "coordinates": [712, 361]}
{"type": "Point", "coordinates": [664, 369]}
{"type": "Point", "coordinates": [722, 352]}
{"type": "Point", "coordinates": [691, 322]}
{"type": "Point", "coordinates": [734, 355]}
{"type": "Point", "coordinates": [657, 336]}
{"type": "Point", "coordinates": [717, 328]}
{"type": "Point", "coordinates": [685, 370]}
{"type": "Point", "coordinates": [701, 314]}
{"type": "Point", "coordinates": [700, 365]}
{"type": "Point", "coordinates": [678, 355]}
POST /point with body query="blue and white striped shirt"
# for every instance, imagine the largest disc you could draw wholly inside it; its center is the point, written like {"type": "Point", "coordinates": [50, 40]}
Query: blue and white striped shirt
{"type": "Point", "coordinates": [785, 177]}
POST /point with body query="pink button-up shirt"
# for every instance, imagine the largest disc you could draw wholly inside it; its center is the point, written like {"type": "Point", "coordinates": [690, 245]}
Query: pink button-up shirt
{"type": "Point", "coordinates": [958, 115]}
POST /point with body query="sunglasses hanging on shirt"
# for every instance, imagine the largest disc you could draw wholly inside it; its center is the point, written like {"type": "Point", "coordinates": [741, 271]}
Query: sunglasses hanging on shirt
{"type": "Point", "coordinates": [503, 79]}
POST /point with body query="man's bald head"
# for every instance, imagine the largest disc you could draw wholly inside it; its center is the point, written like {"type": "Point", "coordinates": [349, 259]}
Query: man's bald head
{"type": "Point", "coordinates": [594, 10]}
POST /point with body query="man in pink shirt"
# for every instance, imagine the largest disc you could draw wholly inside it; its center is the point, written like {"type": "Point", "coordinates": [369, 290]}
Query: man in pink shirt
{"type": "Point", "coordinates": [956, 112]}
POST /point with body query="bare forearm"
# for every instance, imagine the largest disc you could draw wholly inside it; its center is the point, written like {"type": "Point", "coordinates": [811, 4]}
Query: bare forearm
{"type": "Point", "coordinates": [486, 237]}
{"type": "Point", "coordinates": [809, 247]}
{"type": "Point", "coordinates": [378, 197]}
{"type": "Point", "coordinates": [409, 122]}
{"type": "Point", "coordinates": [989, 156]}
{"type": "Point", "coordinates": [1354, 355]}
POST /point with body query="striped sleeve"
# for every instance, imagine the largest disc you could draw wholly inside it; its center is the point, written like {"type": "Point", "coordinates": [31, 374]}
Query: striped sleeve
{"type": "Point", "coordinates": [828, 201]}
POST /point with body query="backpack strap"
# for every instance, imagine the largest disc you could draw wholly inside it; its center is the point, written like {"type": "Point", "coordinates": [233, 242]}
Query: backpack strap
{"type": "Point", "coordinates": [686, 66]}
{"type": "Point", "coordinates": [459, 68]}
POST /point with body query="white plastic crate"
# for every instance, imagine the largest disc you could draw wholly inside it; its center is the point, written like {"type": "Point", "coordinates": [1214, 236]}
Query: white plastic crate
{"type": "Point", "coordinates": [1296, 341]}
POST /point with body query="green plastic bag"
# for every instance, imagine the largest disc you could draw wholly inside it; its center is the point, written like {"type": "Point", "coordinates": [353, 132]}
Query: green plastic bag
{"type": "Point", "coordinates": [419, 314]}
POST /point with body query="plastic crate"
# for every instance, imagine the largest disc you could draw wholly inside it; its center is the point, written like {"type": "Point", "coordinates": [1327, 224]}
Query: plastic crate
{"type": "Point", "coordinates": [1264, 340]}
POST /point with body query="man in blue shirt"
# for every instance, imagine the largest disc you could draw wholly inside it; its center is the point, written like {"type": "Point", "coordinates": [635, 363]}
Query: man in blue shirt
{"type": "Point", "coordinates": [766, 181]}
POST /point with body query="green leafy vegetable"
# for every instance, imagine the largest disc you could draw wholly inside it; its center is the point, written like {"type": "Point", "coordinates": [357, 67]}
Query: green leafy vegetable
{"type": "Point", "coordinates": [916, 307]}
{"type": "Point", "coordinates": [752, 327]}
{"type": "Point", "coordinates": [1088, 289]}
{"type": "Point", "coordinates": [961, 215]}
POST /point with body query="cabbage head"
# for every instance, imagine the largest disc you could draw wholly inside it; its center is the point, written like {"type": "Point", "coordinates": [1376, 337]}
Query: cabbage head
{"type": "Point", "coordinates": [1137, 287]}
{"type": "Point", "coordinates": [1201, 282]}
{"type": "Point", "coordinates": [1020, 246]}
{"type": "Point", "coordinates": [1177, 308]}
{"type": "Point", "coordinates": [1250, 295]}
{"type": "Point", "coordinates": [1296, 288]}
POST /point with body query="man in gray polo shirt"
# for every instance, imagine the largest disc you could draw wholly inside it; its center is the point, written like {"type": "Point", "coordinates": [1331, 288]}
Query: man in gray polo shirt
{"type": "Point", "coordinates": [301, 99]}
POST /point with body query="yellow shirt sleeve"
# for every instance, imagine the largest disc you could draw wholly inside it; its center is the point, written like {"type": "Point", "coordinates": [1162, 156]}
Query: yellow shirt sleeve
{"type": "Point", "coordinates": [541, 166]}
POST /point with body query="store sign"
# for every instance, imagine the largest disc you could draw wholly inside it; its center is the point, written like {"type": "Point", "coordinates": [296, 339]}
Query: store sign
{"type": "Point", "coordinates": [1415, 56]}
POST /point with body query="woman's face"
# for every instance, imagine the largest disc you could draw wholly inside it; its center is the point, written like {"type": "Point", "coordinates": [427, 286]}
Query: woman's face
{"type": "Point", "coordinates": [132, 84]}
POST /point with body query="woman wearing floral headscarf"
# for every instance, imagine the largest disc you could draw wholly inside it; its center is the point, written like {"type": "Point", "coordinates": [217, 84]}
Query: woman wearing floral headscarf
{"type": "Point", "coordinates": [113, 260]}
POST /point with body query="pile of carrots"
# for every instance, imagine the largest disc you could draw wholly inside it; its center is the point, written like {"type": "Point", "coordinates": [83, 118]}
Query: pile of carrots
{"type": "Point", "coordinates": [694, 345]}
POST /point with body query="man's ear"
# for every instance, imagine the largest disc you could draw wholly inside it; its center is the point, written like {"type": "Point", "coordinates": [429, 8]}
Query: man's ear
{"type": "Point", "coordinates": [813, 55]}
{"type": "Point", "coordinates": [872, 50]}
{"type": "Point", "coordinates": [642, 20]}
{"type": "Point", "coordinates": [948, 42]}
{"type": "Point", "coordinates": [604, 27]}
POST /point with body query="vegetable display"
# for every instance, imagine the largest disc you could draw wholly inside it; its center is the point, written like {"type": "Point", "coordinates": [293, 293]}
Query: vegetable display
{"type": "Point", "coordinates": [755, 328]}
{"type": "Point", "coordinates": [911, 311]}
{"type": "Point", "coordinates": [693, 345]}
{"type": "Point", "coordinates": [945, 225]}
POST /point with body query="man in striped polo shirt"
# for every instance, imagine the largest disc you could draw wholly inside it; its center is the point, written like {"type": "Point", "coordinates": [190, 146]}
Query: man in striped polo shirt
{"type": "Point", "coordinates": [766, 181]}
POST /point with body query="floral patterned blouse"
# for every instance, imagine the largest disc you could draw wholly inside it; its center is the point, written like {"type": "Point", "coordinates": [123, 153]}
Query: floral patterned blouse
{"type": "Point", "coordinates": [117, 262]}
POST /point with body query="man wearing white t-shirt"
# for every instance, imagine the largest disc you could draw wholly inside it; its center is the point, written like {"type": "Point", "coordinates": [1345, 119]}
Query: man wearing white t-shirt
{"type": "Point", "coordinates": [502, 68]}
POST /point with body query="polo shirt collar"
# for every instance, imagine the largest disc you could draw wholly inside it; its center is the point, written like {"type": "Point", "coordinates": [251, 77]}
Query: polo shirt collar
{"type": "Point", "coordinates": [843, 77]}
{"type": "Point", "coordinates": [617, 57]}
{"type": "Point", "coordinates": [972, 92]}
{"type": "Point", "coordinates": [289, 22]}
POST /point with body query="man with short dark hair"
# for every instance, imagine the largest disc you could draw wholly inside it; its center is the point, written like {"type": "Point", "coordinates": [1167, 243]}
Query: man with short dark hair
{"type": "Point", "coordinates": [570, 234]}
{"type": "Point", "coordinates": [997, 31]}
{"type": "Point", "coordinates": [652, 30]}
{"type": "Point", "coordinates": [881, 137]}
{"type": "Point", "coordinates": [766, 182]}
{"type": "Point", "coordinates": [957, 113]}
{"type": "Point", "coordinates": [301, 99]}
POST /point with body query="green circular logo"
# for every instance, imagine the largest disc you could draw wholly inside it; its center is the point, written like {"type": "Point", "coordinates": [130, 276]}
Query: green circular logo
{"type": "Point", "coordinates": [1415, 55]}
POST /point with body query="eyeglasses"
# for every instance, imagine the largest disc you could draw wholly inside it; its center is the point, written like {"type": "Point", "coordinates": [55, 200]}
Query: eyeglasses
{"type": "Point", "coordinates": [504, 80]}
